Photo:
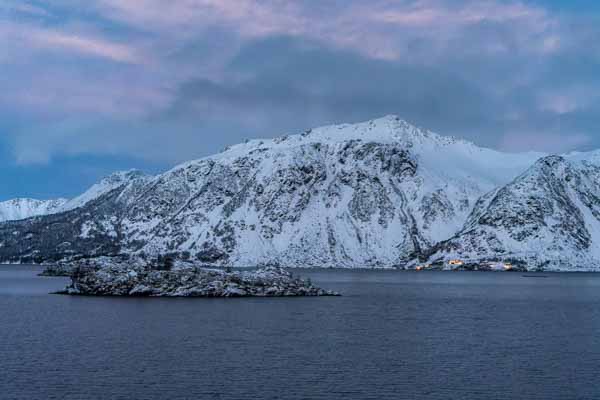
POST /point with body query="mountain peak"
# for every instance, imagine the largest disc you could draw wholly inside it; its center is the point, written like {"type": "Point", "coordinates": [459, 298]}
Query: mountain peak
{"type": "Point", "coordinates": [387, 129]}
{"type": "Point", "coordinates": [390, 120]}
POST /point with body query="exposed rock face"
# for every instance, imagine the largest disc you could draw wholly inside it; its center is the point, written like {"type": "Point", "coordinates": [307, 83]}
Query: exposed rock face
{"type": "Point", "coordinates": [123, 280]}
{"type": "Point", "coordinates": [547, 218]}
{"type": "Point", "coordinates": [375, 194]}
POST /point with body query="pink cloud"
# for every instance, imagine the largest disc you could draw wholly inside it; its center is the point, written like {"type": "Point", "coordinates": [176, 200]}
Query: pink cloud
{"type": "Point", "coordinates": [22, 7]}
{"type": "Point", "coordinates": [423, 32]}
{"type": "Point", "coordinates": [559, 104]}
{"type": "Point", "coordinates": [379, 29]}
{"type": "Point", "coordinates": [565, 100]}
{"type": "Point", "coordinates": [28, 37]}
{"type": "Point", "coordinates": [85, 45]}
{"type": "Point", "coordinates": [250, 18]}
{"type": "Point", "coordinates": [430, 12]}
{"type": "Point", "coordinates": [532, 27]}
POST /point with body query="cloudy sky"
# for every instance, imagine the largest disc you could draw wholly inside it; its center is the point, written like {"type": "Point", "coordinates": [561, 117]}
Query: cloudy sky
{"type": "Point", "coordinates": [89, 87]}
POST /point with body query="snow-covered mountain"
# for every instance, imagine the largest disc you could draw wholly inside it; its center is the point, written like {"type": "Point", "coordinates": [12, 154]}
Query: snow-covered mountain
{"type": "Point", "coordinates": [18, 209]}
{"type": "Point", "coordinates": [92, 229]}
{"type": "Point", "coordinates": [370, 194]}
{"type": "Point", "coordinates": [106, 185]}
{"type": "Point", "coordinates": [377, 194]}
{"type": "Point", "coordinates": [547, 218]}
{"type": "Point", "coordinates": [25, 208]}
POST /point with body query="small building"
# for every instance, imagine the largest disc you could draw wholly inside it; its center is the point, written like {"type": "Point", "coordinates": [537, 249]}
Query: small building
{"type": "Point", "coordinates": [500, 266]}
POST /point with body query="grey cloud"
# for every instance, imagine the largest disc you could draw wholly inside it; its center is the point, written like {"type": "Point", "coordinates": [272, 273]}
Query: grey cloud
{"type": "Point", "coordinates": [283, 85]}
{"type": "Point", "coordinates": [485, 80]}
{"type": "Point", "coordinates": [288, 85]}
{"type": "Point", "coordinates": [293, 84]}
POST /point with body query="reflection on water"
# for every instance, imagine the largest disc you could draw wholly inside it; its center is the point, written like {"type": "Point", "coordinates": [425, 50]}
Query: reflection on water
{"type": "Point", "coordinates": [427, 335]}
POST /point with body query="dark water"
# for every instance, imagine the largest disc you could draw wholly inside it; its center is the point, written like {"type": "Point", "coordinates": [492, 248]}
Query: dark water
{"type": "Point", "coordinates": [392, 336]}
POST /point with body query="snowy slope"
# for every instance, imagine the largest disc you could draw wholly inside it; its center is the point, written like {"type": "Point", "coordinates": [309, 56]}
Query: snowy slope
{"type": "Point", "coordinates": [17, 209]}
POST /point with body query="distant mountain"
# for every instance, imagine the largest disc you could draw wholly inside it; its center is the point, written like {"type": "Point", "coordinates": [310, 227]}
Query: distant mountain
{"type": "Point", "coordinates": [547, 218]}
{"type": "Point", "coordinates": [25, 208]}
{"type": "Point", "coordinates": [91, 229]}
{"type": "Point", "coordinates": [106, 185]}
{"type": "Point", "coordinates": [377, 194]}
{"type": "Point", "coordinates": [18, 209]}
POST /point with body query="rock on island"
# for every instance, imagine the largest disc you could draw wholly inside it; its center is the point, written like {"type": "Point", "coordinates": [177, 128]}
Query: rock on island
{"type": "Point", "coordinates": [127, 280]}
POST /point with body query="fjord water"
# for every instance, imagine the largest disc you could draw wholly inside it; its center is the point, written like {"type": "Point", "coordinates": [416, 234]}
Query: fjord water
{"type": "Point", "coordinates": [427, 335]}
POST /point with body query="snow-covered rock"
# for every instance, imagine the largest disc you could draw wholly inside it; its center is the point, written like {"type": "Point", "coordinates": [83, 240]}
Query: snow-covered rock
{"type": "Point", "coordinates": [125, 280]}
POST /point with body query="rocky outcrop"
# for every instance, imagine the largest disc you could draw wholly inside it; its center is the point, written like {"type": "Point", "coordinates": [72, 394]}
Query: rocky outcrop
{"type": "Point", "coordinates": [126, 280]}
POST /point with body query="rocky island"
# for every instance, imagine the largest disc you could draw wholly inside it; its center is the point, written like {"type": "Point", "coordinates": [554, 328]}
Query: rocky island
{"type": "Point", "coordinates": [131, 280]}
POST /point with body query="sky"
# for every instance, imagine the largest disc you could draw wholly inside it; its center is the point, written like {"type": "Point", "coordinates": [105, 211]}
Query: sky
{"type": "Point", "coordinates": [88, 88]}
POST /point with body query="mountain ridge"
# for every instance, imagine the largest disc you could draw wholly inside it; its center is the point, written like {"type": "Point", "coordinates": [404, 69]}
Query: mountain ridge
{"type": "Point", "coordinates": [23, 208]}
{"type": "Point", "coordinates": [547, 217]}
{"type": "Point", "coordinates": [381, 193]}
